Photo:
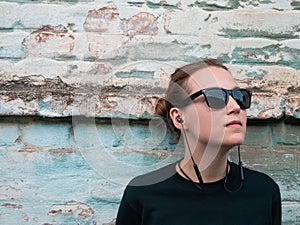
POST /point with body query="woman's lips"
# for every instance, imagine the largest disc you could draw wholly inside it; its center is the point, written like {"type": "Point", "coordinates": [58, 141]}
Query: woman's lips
{"type": "Point", "coordinates": [234, 123]}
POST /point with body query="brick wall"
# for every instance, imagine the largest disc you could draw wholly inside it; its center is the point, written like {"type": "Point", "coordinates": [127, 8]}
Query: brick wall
{"type": "Point", "coordinates": [79, 79]}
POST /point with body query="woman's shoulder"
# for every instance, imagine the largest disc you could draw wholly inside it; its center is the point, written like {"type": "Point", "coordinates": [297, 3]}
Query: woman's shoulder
{"type": "Point", "coordinates": [257, 174]}
{"type": "Point", "coordinates": [261, 179]}
{"type": "Point", "coordinates": [154, 177]}
{"type": "Point", "coordinates": [149, 183]}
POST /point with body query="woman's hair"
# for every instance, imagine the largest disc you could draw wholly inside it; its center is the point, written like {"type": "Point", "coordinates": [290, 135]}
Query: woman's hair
{"type": "Point", "coordinates": [177, 90]}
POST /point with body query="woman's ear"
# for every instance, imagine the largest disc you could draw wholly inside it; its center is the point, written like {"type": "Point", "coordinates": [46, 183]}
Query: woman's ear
{"type": "Point", "coordinates": [176, 118]}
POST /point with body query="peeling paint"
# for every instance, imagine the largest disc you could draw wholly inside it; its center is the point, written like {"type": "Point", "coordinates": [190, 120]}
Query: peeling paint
{"type": "Point", "coordinates": [18, 87]}
{"type": "Point", "coordinates": [105, 29]}
{"type": "Point", "coordinates": [101, 20]}
{"type": "Point", "coordinates": [49, 40]}
{"type": "Point", "coordinates": [72, 207]}
{"type": "Point", "coordinates": [12, 206]}
{"type": "Point", "coordinates": [142, 23]}
{"type": "Point", "coordinates": [31, 95]}
{"type": "Point", "coordinates": [48, 31]}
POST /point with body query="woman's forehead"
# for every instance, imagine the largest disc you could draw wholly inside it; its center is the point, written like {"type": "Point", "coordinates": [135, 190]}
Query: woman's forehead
{"type": "Point", "coordinates": [211, 77]}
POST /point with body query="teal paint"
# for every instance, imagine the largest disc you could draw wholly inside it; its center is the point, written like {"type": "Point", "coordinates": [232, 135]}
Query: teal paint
{"type": "Point", "coordinates": [116, 143]}
{"type": "Point", "coordinates": [6, 30]}
{"type": "Point", "coordinates": [175, 41]}
{"type": "Point", "coordinates": [9, 133]}
{"type": "Point", "coordinates": [297, 115]}
{"type": "Point", "coordinates": [244, 33]}
{"type": "Point", "coordinates": [215, 7]}
{"type": "Point", "coordinates": [55, 172]}
{"type": "Point", "coordinates": [48, 134]}
{"type": "Point", "coordinates": [107, 135]}
{"type": "Point", "coordinates": [90, 59]}
{"type": "Point", "coordinates": [234, 4]}
{"type": "Point", "coordinates": [224, 58]}
{"type": "Point", "coordinates": [259, 136]}
{"type": "Point", "coordinates": [255, 74]}
{"type": "Point", "coordinates": [265, 1]}
{"type": "Point", "coordinates": [290, 57]}
{"type": "Point", "coordinates": [153, 5]}
{"type": "Point", "coordinates": [295, 5]}
{"type": "Point", "coordinates": [72, 67]}
{"type": "Point", "coordinates": [286, 134]}
{"type": "Point", "coordinates": [148, 136]}
{"type": "Point", "coordinates": [135, 74]}
{"type": "Point", "coordinates": [208, 46]}
{"type": "Point", "coordinates": [137, 159]}
{"type": "Point", "coordinates": [138, 4]}
{"type": "Point", "coordinates": [295, 65]}
{"type": "Point", "coordinates": [44, 106]}
{"type": "Point", "coordinates": [254, 55]}
{"type": "Point", "coordinates": [51, 178]}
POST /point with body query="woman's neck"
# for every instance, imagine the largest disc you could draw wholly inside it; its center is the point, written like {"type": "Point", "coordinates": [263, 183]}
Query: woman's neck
{"type": "Point", "coordinates": [211, 161]}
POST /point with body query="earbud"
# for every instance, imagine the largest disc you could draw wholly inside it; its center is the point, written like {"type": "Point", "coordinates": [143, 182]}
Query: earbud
{"type": "Point", "coordinates": [179, 120]}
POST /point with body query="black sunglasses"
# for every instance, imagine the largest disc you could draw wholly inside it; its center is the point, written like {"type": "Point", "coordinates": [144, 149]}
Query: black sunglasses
{"type": "Point", "coordinates": [217, 98]}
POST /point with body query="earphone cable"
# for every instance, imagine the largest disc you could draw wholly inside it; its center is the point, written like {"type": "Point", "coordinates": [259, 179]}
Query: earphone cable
{"type": "Point", "coordinates": [196, 169]}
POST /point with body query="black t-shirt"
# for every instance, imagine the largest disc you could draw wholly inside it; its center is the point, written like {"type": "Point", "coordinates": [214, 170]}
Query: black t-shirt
{"type": "Point", "coordinates": [164, 197]}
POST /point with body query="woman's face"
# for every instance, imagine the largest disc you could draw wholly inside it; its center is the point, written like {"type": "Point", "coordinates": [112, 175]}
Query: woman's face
{"type": "Point", "coordinates": [220, 127]}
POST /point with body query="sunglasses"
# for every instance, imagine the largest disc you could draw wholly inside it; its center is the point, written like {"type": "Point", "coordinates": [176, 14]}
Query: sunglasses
{"type": "Point", "coordinates": [217, 98]}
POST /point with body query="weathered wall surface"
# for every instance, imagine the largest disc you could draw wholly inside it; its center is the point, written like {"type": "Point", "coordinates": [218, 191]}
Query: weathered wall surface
{"type": "Point", "coordinates": [72, 74]}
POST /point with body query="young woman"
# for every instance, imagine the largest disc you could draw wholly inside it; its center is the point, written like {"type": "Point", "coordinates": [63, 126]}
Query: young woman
{"type": "Point", "coordinates": [207, 109]}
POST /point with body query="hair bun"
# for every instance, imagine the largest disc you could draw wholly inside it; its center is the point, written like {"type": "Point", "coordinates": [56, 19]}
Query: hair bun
{"type": "Point", "coordinates": [161, 107]}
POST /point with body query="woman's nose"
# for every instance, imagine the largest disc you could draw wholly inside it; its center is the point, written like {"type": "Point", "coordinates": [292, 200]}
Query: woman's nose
{"type": "Point", "coordinates": [232, 106]}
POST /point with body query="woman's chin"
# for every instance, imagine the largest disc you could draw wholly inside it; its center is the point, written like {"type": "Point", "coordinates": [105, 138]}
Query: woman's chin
{"type": "Point", "coordinates": [234, 142]}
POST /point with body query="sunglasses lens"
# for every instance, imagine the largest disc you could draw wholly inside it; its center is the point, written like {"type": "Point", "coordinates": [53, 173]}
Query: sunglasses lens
{"type": "Point", "coordinates": [216, 98]}
{"type": "Point", "coordinates": [242, 97]}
